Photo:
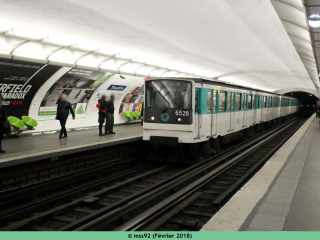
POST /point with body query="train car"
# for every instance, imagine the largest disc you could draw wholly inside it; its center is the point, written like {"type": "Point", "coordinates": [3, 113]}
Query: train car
{"type": "Point", "coordinates": [204, 113]}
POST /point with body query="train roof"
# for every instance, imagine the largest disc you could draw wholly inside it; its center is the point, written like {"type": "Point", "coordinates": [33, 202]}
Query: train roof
{"type": "Point", "coordinates": [219, 83]}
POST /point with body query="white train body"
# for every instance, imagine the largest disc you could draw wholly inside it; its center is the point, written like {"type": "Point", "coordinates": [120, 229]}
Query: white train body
{"type": "Point", "coordinates": [196, 110]}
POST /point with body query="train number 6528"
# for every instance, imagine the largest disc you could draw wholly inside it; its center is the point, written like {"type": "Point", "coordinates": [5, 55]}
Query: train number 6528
{"type": "Point", "coordinates": [182, 113]}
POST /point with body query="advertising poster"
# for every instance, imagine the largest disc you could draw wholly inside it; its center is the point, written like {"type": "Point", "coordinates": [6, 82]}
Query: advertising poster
{"type": "Point", "coordinates": [79, 85]}
{"type": "Point", "coordinates": [133, 100]}
{"type": "Point", "coordinates": [19, 82]}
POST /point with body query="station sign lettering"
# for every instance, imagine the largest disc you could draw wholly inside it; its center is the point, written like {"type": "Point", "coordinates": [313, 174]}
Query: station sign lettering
{"type": "Point", "coordinates": [116, 87]}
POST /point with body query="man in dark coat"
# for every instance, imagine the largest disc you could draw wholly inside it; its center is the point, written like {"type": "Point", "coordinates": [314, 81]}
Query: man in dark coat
{"type": "Point", "coordinates": [110, 115]}
{"type": "Point", "coordinates": [63, 109]}
{"type": "Point", "coordinates": [3, 118]}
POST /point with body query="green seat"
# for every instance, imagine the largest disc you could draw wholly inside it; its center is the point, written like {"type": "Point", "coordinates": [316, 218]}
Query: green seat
{"type": "Point", "coordinates": [16, 123]}
{"type": "Point", "coordinates": [138, 114]}
{"type": "Point", "coordinates": [134, 115]}
{"type": "Point", "coordinates": [30, 122]}
{"type": "Point", "coordinates": [128, 115]}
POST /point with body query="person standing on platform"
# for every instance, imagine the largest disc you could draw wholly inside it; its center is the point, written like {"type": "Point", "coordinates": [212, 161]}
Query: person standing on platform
{"type": "Point", "coordinates": [63, 109]}
{"type": "Point", "coordinates": [102, 106]}
{"type": "Point", "coordinates": [110, 115]}
{"type": "Point", "coordinates": [3, 119]}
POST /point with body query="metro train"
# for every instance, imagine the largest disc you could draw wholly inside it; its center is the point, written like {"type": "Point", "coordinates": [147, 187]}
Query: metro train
{"type": "Point", "coordinates": [201, 114]}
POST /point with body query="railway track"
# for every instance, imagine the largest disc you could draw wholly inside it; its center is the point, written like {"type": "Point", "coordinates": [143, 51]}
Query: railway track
{"type": "Point", "coordinates": [35, 173]}
{"type": "Point", "coordinates": [116, 203]}
{"type": "Point", "coordinates": [191, 207]}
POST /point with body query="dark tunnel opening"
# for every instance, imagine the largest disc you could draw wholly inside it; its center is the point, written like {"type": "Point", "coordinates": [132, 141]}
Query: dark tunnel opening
{"type": "Point", "coordinates": [308, 101]}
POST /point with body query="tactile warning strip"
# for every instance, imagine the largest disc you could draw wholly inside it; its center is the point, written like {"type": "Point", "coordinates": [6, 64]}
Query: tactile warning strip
{"type": "Point", "coordinates": [274, 209]}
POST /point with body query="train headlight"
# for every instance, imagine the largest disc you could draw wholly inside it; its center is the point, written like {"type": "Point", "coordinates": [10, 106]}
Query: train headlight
{"type": "Point", "coordinates": [179, 119]}
{"type": "Point", "coordinates": [152, 118]}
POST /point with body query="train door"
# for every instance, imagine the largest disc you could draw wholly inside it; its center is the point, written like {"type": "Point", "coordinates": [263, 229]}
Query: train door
{"type": "Point", "coordinates": [261, 107]}
{"type": "Point", "coordinates": [197, 112]}
{"type": "Point", "coordinates": [268, 107]}
{"type": "Point", "coordinates": [231, 109]}
{"type": "Point", "coordinates": [244, 109]}
{"type": "Point", "coordinates": [211, 109]}
{"type": "Point", "coordinates": [254, 104]}
{"type": "Point", "coordinates": [214, 114]}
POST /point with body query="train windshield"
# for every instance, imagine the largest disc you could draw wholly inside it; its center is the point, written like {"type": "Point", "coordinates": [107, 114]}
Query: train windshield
{"type": "Point", "coordinates": [168, 94]}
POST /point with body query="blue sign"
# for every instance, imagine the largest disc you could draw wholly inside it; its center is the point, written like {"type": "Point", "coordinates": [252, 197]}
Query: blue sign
{"type": "Point", "coordinates": [116, 87]}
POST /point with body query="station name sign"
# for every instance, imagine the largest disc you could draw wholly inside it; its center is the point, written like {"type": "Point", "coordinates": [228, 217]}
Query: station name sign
{"type": "Point", "coordinates": [116, 87]}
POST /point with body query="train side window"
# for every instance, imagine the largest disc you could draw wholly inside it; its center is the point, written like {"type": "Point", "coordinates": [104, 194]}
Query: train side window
{"type": "Point", "coordinates": [209, 101]}
{"type": "Point", "coordinates": [238, 101]}
{"type": "Point", "coordinates": [222, 102]}
{"type": "Point", "coordinates": [244, 101]}
{"type": "Point", "coordinates": [260, 102]}
{"type": "Point", "coordinates": [197, 101]}
{"type": "Point", "coordinates": [265, 102]}
{"type": "Point", "coordinates": [231, 101]}
{"type": "Point", "coordinates": [270, 102]}
{"type": "Point", "coordinates": [149, 99]}
{"type": "Point", "coordinates": [254, 101]}
{"type": "Point", "coordinates": [250, 101]}
{"type": "Point", "coordinates": [214, 102]}
{"type": "Point", "coordinates": [275, 102]}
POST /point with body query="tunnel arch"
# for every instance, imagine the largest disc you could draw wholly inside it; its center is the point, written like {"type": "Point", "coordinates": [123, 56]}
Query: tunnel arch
{"type": "Point", "coordinates": [306, 90]}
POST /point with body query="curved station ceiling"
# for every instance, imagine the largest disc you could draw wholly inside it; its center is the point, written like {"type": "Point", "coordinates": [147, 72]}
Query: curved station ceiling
{"type": "Point", "coordinates": [261, 44]}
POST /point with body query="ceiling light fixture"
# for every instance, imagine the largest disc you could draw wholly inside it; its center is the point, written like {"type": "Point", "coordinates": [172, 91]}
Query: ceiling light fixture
{"type": "Point", "coordinates": [314, 21]}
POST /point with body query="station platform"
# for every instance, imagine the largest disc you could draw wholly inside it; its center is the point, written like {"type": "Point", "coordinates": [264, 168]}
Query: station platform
{"type": "Point", "coordinates": [20, 150]}
{"type": "Point", "coordinates": [284, 195]}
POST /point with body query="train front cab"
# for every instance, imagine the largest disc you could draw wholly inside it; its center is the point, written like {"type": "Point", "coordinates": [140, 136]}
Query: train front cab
{"type": "Point", "coordinates": [169, 116]}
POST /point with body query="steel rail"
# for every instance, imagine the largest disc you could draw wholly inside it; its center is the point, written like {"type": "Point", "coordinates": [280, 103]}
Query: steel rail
{"type": "Point", "coordinates": [139, 222]}
{"type": "Point", "coordinates": [103, 220]}
{"type": "Point", "coordinates": [11, 214]}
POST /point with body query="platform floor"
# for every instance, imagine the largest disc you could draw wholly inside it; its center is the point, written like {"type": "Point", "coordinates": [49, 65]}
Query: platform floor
{"type": "Point", "coordinates": [284, 195]}
{"type": "Point", "coordinates": [21, 150]}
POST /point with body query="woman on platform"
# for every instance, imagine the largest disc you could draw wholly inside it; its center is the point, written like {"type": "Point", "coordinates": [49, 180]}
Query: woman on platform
{"type": "Point", "coordinates": [102, 106]}
{"type": "Point", "coordinates": [3, 118]}
{"type": "Point", "coordinates": [63, 109]}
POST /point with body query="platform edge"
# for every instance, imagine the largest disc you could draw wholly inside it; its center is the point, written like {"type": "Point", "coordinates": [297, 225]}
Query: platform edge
{"type": "Point", "coordinates": [232, 215]}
